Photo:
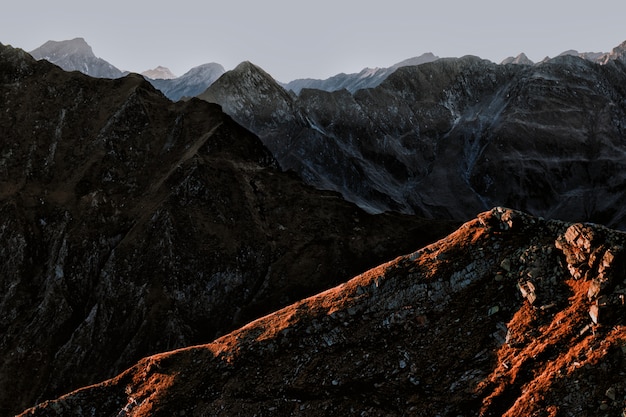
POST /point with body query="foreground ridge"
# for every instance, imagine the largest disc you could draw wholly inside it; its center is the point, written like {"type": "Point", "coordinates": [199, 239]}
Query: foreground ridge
{"type": "Point", "coordinates": [509, 315]}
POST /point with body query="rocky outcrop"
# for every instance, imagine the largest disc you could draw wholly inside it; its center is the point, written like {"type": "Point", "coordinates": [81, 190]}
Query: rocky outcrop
{"type": "Point", "coordinates": [76, 55]}
{"type": "Point", "coordinates": [134, 225]}
{"type": "Point", "coordinates": [447, 330]}
{"type": "Point", "coordinates": [453, 137]}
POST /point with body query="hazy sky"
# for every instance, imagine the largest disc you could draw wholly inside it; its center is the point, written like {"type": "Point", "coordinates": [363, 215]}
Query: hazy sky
{"type": "Point", "coordinates": [297, 39]}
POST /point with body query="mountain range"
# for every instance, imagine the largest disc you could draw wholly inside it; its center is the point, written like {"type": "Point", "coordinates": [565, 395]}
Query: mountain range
{"type": "Point", "coordinates": [199, 257]}
{"type": "Point", "coordinates": [77, 55]}
{"type": "Point", "coordinates": [442, 139]}
{"type": "Point", "coordinates": [453, 137]}
{"type": "Point", "coordinates": [135, 225]}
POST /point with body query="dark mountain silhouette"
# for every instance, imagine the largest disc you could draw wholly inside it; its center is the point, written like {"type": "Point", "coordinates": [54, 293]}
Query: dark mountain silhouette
{"type": "Point", "coordinates": [77, 55]}
{"type": "Point", "coordinates": [453, 137]}
{"type": "Point", "coordinates": [133, 225]}
{"type": "Point", "coordinates": [508, 316]}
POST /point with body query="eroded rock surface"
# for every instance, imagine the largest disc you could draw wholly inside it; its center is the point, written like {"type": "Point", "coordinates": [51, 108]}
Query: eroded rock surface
{"type": "Point", "coordinates": [441, 331]}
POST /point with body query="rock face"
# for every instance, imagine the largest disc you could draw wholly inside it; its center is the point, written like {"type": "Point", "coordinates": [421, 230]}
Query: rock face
{"type": "Point", "coordinates": [190, 84]}
{"type": "Point", "coordinates": [367, 78]}
{"type": "Point", "coordinates": [448, 330]}
{"type": "Point", "coordinates": [451, 138]}
{"type": "Point", "coordinates": [133, 225]}
{"type": "Point", "coordinates": [76, 55]}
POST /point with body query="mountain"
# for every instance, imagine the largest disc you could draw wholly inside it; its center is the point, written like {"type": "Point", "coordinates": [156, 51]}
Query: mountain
{"type": "Point", "coordinates": [134, 225]}
{"type": "Point", "coordinates": [521, 59]}
{"type": "Point", "coordinates": [190, 84]}
{"type": "Point", "coordinates": [159, 73]}
{"type": "Point", "coordinates": [590, 56]}
{"type": "Point", "coordinates": [76, 55]}
{"type": "Point", "coordinates": [367, 78]}
{"type": "Point", "coordinates": [617, 54]}
{"type": "Point", "coordinates": [510, 315]}
{"type": "Point", "coordinates": [453, 137]}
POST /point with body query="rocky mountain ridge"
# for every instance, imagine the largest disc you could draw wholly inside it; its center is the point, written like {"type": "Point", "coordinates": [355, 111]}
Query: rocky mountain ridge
{"type": "Point", "coordinates": [134, 225]}
{"type": "Point", "coordinates": [366, 78]}
{"type": "Point", "coordinates": [510, 315]}
{"type": "Point", "coordinates": [191, 83]}
{"type": "Point", "coordinates": [452, 137]}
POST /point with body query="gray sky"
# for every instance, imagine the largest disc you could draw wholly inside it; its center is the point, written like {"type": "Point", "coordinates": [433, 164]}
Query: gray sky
{"type": "Point", "coordinates": [317, 39]}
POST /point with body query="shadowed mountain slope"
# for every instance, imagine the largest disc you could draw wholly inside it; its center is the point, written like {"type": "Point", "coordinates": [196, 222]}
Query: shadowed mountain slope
{"type": "Point", "coordinates": [190, 84]}
{"type": "Point", "coordinates": [453, 137]}
{"type": "Point", "coordinates": [508, 316]}
{"type": "Point", "coordinates": [133, 225]}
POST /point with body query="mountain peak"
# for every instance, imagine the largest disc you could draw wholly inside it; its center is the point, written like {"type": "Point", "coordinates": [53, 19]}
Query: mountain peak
{"type": "Point", "coordinates": [247, 66]}
{"type": "Point", "coordinates": [521, 59]}
{"type": "Point", "coordinates": [159, 73]}
{"type": "Point", "coordinates": [54, 50]}
{"type": "Point", "coordinates": [76, 55]}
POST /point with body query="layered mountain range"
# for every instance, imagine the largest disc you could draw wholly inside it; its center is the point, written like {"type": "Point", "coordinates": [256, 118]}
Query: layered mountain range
{"type": "Point", "coordinates": [174, 251]}
{"type": "Point", "coordinates": [453, 137]}
{"type": "Point", "coordinates": [367, 78]}
{"type": "Point", "coordinates": [76, 55]}
{"type": "Point", "coordinates": [134, 225]}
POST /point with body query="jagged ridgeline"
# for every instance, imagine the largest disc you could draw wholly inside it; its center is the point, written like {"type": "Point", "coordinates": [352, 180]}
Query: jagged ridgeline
{"type": "Point", "coordinates": [442, 138]}
{"type": "Point", "coordinates": [453, 137]}
{"type": "Point", "coordinates": [131, 225]}
{"type": "Point", "coordinates": [510, 315]}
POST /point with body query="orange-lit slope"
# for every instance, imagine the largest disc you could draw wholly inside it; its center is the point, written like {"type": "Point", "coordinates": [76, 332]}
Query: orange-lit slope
{"type": "Point", "coordinates": [509, 315]}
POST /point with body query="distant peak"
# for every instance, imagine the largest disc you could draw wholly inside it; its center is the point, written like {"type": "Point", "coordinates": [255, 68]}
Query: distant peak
{"type": "Point", "coordinates": [521, 59]}
{"type": "Point", "coordinates": [76, 46]}
{"type": "Point", "coordinates": [159, 73]}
